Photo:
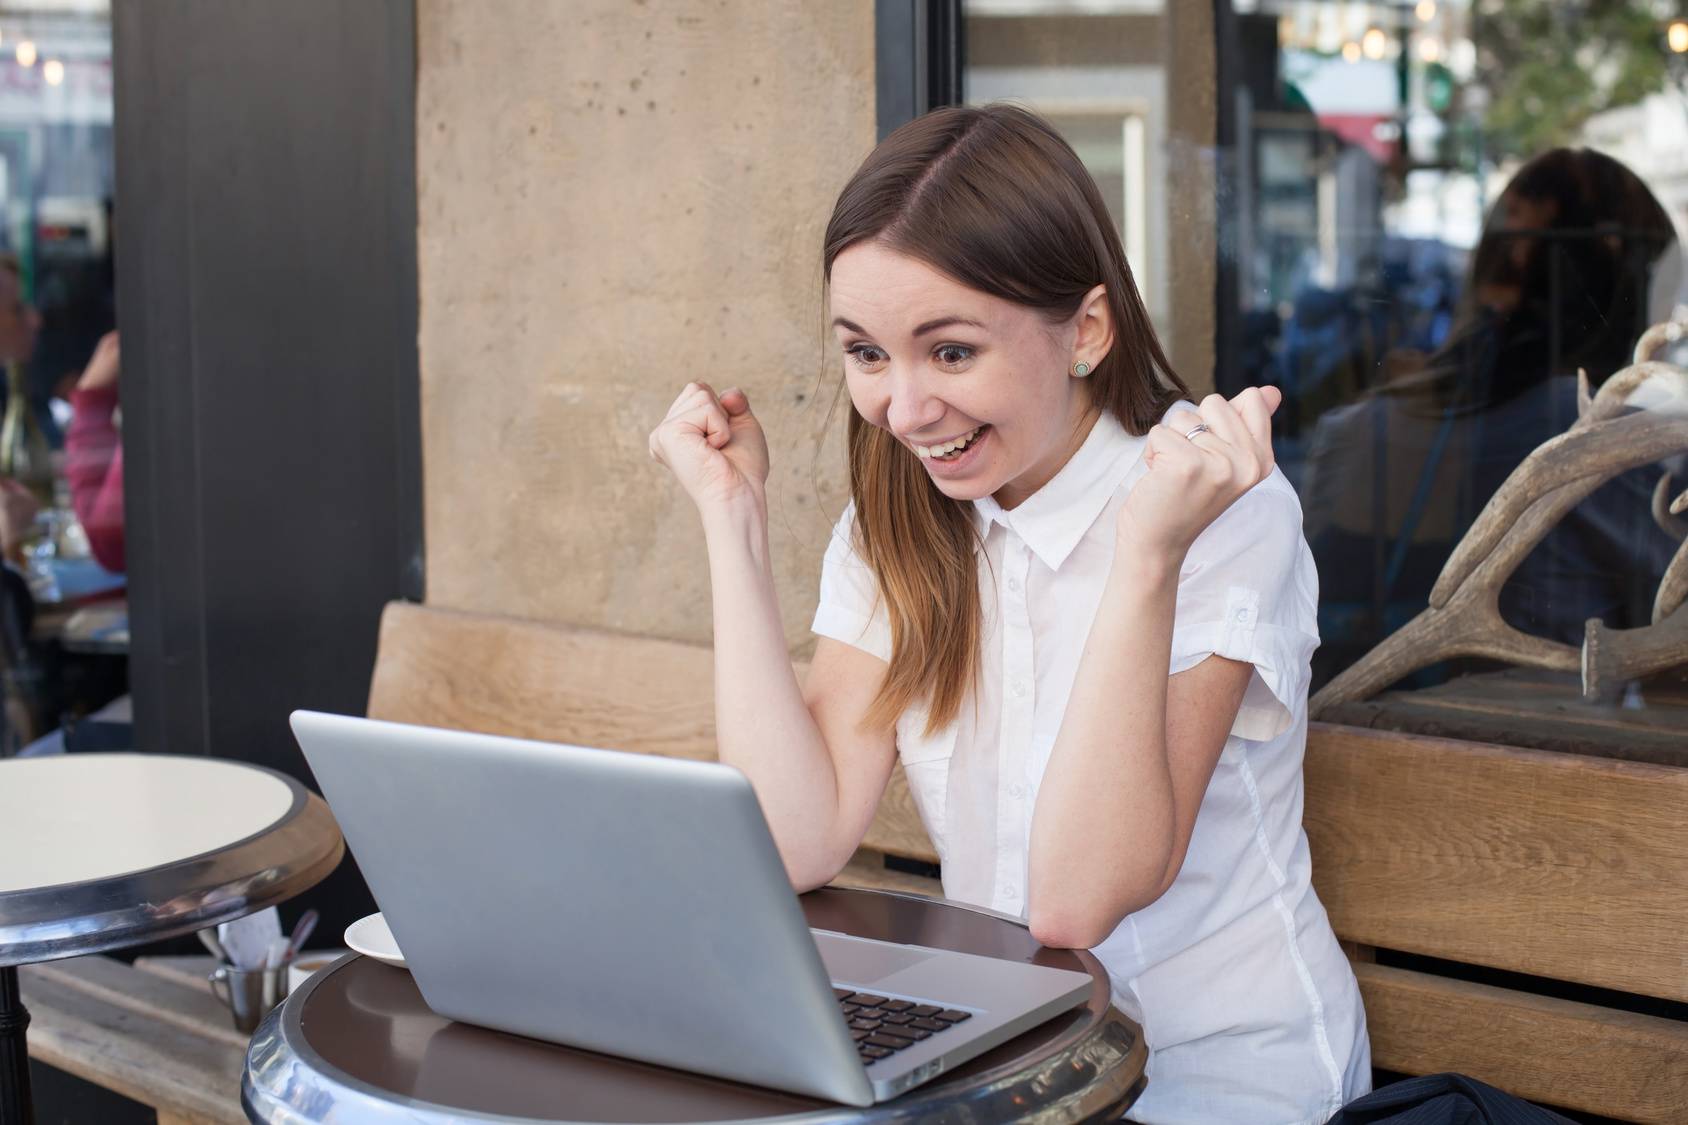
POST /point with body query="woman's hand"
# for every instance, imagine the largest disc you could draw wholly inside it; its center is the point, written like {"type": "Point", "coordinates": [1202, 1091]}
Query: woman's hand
{"type": "Point", "coordinates": [715, 446]}
{"type": "Point", "coordinates": [1193, 479]}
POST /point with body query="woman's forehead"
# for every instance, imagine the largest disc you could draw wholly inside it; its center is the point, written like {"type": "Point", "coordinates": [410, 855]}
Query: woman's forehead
{"type": "Point", "coordinates": [878, 289]}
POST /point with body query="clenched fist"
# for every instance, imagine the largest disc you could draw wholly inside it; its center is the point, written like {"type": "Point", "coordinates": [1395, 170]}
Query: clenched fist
{"type": "Point", "coordinates": [715, 446]}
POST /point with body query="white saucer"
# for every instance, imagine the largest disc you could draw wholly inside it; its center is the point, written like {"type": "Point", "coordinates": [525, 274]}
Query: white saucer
{"type": "Point", "coordinates": [371, 937]}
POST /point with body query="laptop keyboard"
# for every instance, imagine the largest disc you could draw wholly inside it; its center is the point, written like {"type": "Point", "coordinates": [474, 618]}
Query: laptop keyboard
{"type": "Point", "coordinates": [882, 1026]}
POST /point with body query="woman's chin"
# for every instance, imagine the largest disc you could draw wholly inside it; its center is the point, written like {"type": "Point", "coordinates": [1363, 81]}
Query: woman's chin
{"type": "Point", "coordinates": [965, 488]}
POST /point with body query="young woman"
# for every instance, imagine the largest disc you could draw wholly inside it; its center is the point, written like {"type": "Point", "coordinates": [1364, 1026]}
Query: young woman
{"type": "Point", "coordinates": [1079, 611]}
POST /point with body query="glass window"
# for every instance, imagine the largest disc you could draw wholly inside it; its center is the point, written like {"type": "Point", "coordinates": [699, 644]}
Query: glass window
{"type": "Point", "coordinates": [1448, 210]}
{"type": "Point", "coordinates": [1428, 219]}
{"type": "Point", "coordinates": [63, 621]}
{"type": "Point", "coordinates": [56, 176]}
{"type": "Point", "coordinates": [1095, 71]}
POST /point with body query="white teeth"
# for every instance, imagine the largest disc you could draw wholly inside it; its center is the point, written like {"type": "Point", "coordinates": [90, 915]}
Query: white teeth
{"type": "Point", "coordinates": [948, 447]}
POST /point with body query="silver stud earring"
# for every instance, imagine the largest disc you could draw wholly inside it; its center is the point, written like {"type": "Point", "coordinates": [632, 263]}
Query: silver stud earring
{"type": "Point", "coordinates": [1081, 369]}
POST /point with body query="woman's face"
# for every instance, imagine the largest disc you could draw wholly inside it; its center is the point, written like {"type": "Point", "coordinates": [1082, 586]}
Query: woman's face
{"type": "Point", "coordinates": [978, 388]}
{"type": "Point", "coordinates": [1516, 220]}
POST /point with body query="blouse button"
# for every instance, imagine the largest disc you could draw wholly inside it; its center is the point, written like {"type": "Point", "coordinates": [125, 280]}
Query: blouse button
{"type": "Point", "coordinates": [1013, 585]}
{"type": "Point", "coordinates": [1019, 689]}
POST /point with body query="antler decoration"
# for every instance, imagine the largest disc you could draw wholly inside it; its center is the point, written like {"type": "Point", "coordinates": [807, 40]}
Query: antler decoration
{"type": "Point", "coordinates": [1609, 437]}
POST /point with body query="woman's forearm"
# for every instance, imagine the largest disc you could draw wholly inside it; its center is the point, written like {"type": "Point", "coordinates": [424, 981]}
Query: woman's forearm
{"type": "Point", "coordinates": [762, 725]}
{"type": "Point", "coordinates": [1103, 829]}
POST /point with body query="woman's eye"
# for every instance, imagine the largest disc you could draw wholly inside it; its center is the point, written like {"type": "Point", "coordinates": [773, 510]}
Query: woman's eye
{"type": "Point", "coordinates": [953, 355]}
{"type": "Point", "coordinates": [865, 355]}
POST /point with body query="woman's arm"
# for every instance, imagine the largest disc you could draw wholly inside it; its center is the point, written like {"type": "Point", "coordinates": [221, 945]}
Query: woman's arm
{"type": "Point", "coordinates": [94, 455]}
{"type": "Point", "coordinates": [93, 468]}
{"type": "Point", "coordinates": [818, 775]}
{"type": "Point", "coordinates": [1138, 746]}
{"type": "Point", "coordinates": [1135, 753]}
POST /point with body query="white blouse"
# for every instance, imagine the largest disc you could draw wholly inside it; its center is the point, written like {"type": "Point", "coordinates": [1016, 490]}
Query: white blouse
{"type": "Point", "coordinates": [1249, 1007]}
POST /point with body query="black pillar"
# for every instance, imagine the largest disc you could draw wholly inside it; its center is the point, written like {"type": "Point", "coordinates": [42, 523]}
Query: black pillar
{"type": "Point", "coordinates": [266, 281]}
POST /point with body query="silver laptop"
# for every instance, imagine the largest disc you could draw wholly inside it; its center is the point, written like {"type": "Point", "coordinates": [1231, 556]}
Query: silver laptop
{"type": "Point", "coordinates": [635, 905]}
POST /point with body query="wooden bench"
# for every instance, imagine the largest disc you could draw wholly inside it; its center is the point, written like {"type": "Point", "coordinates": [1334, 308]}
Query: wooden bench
{"type": "Point", "coordinates": [151, 1032]}
{"type": "Point", "coordinates": [1559, 866]}
{"type": "Point", "coordinates": [1548, 864]}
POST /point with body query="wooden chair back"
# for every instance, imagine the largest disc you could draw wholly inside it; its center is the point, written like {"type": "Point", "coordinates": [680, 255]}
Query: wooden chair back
{"type": "Point", "coordinates": [524, 679]}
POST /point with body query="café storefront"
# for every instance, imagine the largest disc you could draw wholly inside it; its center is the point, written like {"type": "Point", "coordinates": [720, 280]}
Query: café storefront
{"type": "Point", "coordinates": [402, 286]}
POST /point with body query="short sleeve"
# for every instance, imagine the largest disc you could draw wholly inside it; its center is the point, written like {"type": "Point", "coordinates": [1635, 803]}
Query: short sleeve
{"type": "Point", "coordinates": [850, 608]}
{"type": "Point", "coordinates": [1248, 591]}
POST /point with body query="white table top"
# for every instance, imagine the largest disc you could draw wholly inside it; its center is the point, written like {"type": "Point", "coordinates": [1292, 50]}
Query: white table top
{"type": "Point", "coordinates": [71, 818]}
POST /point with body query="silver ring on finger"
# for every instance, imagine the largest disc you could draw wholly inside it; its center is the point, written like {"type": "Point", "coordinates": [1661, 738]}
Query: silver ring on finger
{"type": "Point", "coordinates": [1198, 428]}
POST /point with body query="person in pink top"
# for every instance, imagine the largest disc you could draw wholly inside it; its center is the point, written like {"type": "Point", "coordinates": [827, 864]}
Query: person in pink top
{"type": "Point", "coordinates": [94, 455]}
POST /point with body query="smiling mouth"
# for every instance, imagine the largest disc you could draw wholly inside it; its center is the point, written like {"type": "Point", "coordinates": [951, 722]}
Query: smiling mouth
{"type": "Point", "coordinates": [950, 450]}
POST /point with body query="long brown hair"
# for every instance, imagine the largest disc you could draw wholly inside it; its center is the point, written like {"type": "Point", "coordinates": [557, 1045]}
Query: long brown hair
{"type": "Point", "coordinates": [993, 197]}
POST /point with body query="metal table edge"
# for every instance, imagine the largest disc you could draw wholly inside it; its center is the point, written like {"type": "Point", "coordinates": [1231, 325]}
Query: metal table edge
{"type": "Point", "coordinates": [269, 866]}
{"type": "Point", "coordinates": [286, 1082]}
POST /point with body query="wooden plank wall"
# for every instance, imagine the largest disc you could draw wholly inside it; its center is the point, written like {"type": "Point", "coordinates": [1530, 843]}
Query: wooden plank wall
{"type": "Point", "coordinates": [1542, 863]}
{"type": "Point", "coordinates": [1543, 1049]}
{"type": "Point", "coordinates": [1550, 864]}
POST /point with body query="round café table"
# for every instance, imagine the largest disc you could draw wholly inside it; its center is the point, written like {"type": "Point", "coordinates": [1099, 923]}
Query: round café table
{"type": "Point", "coordinates": [100, 851]}
{"type": "Point", "coordinates": [357, 1043]}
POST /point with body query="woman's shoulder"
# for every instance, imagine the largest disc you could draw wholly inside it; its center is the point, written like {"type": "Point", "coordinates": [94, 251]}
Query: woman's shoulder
{"type": "Point", "coordinates": [841, 542]}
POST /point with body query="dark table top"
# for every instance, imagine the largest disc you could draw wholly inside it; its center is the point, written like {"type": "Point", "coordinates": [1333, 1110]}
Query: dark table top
{"type": "Point", "coordinates": [358, 1042]}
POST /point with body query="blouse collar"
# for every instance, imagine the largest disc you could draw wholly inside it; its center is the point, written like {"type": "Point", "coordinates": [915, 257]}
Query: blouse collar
{"type": "Point", "coordinates": [1054, 518]}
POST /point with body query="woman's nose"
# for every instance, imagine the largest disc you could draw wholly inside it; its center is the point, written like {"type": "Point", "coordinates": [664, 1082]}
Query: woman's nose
{"type": "Point", "coordinates": [913, 407]}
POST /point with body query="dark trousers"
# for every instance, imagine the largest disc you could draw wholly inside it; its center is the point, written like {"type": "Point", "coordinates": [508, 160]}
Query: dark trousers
{"type": "Point", "coordinates": [1442, 1099]}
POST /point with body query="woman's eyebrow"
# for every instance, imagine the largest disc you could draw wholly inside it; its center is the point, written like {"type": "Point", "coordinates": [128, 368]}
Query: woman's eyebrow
{"type": "Point", "coordinates": [928, 326]}
{"type": "Point", "coordinates": [945, 322]}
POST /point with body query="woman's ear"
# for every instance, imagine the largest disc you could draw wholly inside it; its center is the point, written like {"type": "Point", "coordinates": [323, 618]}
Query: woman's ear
{"type": "Point", "coordinates": [1095, 325]}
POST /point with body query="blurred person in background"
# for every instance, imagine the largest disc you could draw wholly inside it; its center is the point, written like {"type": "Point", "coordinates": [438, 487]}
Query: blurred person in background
{"type": "Point", "coordinates": [18, 508]}
{"type": "Point", "coordinates": [1576, 260]}
{"type": "Point", "coordinates": [94, 455]}
{"type": "Point", "coordinates": [19, 322]}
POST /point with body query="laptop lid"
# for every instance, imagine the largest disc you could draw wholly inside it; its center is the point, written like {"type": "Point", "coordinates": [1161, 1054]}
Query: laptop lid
{"type": "Point", "coordinates": [629, 904]}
